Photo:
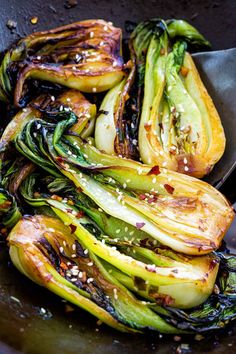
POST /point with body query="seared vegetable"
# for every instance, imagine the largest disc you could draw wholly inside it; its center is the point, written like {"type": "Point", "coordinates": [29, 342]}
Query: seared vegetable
{"type": "Point", "coordinates": [84, 56]}
{"type": "Point", "coordinates": [9, 211]}
{"type": "Point", "coordinates": [176, 117]}
{"type": "Point", "coordinates": [218, 310]}
{"type": "Point", "coordinates": [179, 211]}
{"type": "Point", "coordinates": [179, 121]}
{"type": "Point", "coordinates": [134, 244]}
{"type": "Point", "coordinates": [115, 131]}
{"type": "Point", "coordinates": [161, 273]}
{"type": "Point", "coordinates": [49, 253]}
{"type": "Point", "coordinates": [55, 256]}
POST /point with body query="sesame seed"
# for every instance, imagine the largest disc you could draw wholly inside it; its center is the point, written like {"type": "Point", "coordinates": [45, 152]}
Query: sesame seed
{"type": "Point", "coordinates": [69, 152]}
{"type": "Point", "coordinates": [115, 293]}
{"type": "Point", "coordinates": [64, 243]}
{"type": "Point", "coordinates": [131, 233]}
{"type": "Point", "coordinates": [74, 67]}
{"type": "Point", "coordinates": [80, 274]}
{"type": "Point", "coordinates": [61, 249]}
{"type": "Point", "coordinates": [87, 115]}
{"type": "Point", "coordinates": [140, 171]}
{"type": "Point", "coordinates": [94, 89]}
{"type": "Point", "coordinates": [124, 185]}
{"type": "Point", "coordinates": [90, 280]}
{"type": "Point", "coordinates": [117, 231]}
{"type": "Point", "coordinates": [73, 247]}
{"type": "Point", "coordinates": [91, 34]}
{"type": "Point", "coordinates": [105, 28]}
{"type": "Point", "coordinates": [90, 264]}
{"type": "Point", "coordinates": [114, 63]}
{"type": "Point", "coordinates": [132, 125]}
{"type": "Point", "coordinates": [86, 251]}
{"type": "Point", "coordinates": [101, 43]}
{"type": "Point", "coordinates": [73, 279]}
{"type": "Point", "coordinates": [135, 141]}
{"type": "Point", "coordinates": [14, 299]}
{"type": "Point", "coordinates": [128, 180]}
{"type": "Point", "coordinates": [186, 168]}
{"type": "Point", "coordinates": [42, 310]}
{"type": "Point", "coordinates": [73, 255]}
{"type": "Point", "coordinates": [164, 164]}
{"type": "Point", "coordinates": [185, 161]}
{"type": "Point", "coordinates": [61, 108]}
{"type": "Point", "coordinates": [154, 180]}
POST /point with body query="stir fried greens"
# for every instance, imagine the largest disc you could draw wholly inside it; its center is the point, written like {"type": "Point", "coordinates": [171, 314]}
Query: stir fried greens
{"type": "Point", "coordinates": [177, 119]}
{"type": "Point", "coordinates": [85, 56]}
{"type": "Point", "coordinates": [136, 245]}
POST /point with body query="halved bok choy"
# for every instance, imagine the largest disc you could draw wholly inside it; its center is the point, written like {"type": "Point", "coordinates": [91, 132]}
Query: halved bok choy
{"type": "Point", "coordinates": [179, 211]}
{"type": "Point", "coordinates": [178, 120]}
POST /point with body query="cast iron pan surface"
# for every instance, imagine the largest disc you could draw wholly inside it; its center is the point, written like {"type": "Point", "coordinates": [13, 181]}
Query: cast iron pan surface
{"type": "Point", "coordinates": [32, 320]}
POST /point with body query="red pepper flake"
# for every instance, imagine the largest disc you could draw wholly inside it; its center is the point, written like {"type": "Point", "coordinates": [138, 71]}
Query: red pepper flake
{"type": "Point", "coordinates": [169, 188]}
{"type": "Point", "coordinates": [5, 204]}
{"type": "Point", "coordinates": [152, 200]}
{"type": "Point", "coordinates": [37, 195]}
{"type": "Point", "coordinates": [69, 308]}
{"type": "Point", "coordinates": [59, 159]}
{"type": "Point", "coordinates": [184, 71]}
{"type": "Point", "coordinates": [162, 51]}
{"type": "Point", "coordinates": [56, 197]}
{"type": "Point", "coordinates": [80, 214]}
{"type": "Point", "coordinates": [48, 277]}
{"type": "Point", "coordinates": [155, 170]}
{"type": "Point", "coordinates": [168, 300]}
{"type": "Point", "coordinates": [72, 228]}
{"type": "Point", "coordinates": [63, 266]}
{"type": "Point", "coordinates": [142, 196]}
{"type": "Point", "coordinates": [139, 225]}
{"type": "Point", "coordinates": [147, 127]}
{"type": "Point", "coordinates": [3, 231]}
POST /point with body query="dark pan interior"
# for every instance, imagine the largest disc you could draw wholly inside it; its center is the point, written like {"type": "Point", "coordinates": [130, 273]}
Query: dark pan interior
{"type": "Point", "coordinates": [23, 324]}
